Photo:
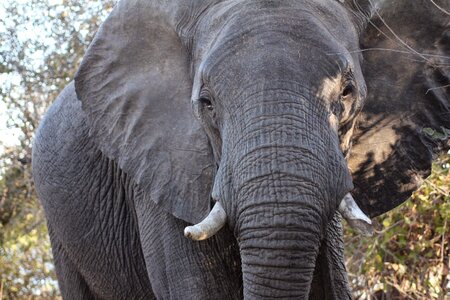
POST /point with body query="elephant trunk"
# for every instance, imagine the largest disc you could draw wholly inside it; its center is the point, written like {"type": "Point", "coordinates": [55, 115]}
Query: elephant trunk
{"type": "Point", "coordinates": [281, 222]}
{"type": "Point", "coordinates": [279, 251]}
{"type": "Point", "coordinates": [288, 179]}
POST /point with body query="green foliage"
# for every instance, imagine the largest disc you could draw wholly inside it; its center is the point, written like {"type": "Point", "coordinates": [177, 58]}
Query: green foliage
{"type": "Point", "coordinates": [26, 260]}
{"type": "Point", "coordinates": [442, 135]}
{"type": "Point", "coordinates": [408, 257]}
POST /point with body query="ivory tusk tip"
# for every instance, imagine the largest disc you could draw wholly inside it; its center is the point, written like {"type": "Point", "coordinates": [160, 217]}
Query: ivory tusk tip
{"type": "Point", "coordinates": [193, 233]}
{"type": "Point", "coordinates": [209, 226]}
{"type": "Point", "coordinates": [362, 227]}
{"type": "Point", "coordinates": [187, 232]}
{"type": "Point", "coordinates": [355, 217]}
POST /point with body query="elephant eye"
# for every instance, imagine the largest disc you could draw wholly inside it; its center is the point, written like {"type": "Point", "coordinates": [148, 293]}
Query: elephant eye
{"type": "Point", "coordinates": [206, 103]}
{"type": "Point", "coordinates": [348, 91]}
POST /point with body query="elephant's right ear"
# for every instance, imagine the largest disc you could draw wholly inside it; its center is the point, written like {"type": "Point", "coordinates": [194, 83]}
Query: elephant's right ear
{"type": "Point", "coordinates": [135, 88]}
{"type": "Point", "coordinates": [406, 118]}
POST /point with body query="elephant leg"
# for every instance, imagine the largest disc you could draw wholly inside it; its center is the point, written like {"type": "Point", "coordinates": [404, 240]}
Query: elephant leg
{"type": "Point", "coordinates": [180, 268]}
{"type": "Point", "coordinates": [71, 283]}
{"type": "Point", "coordinates": [330, 276]}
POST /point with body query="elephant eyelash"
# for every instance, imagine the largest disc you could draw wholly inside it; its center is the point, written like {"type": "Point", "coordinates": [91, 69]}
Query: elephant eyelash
{"type": "Point", "coordinates": [348, 84]}
{"type": "Point", "coordinates": [205, 98]}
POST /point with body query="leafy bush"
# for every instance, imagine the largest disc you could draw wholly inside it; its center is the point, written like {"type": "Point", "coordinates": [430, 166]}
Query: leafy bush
{"type": "Point", "coordinates": [408, 256]}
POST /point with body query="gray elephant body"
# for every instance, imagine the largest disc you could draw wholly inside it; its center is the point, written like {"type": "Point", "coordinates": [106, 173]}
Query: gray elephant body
{"type": "Point", "coordinates": [94, 225]}
{"type": "Point", "coordinates": [122, 165]}
{"type": "Point", "coordinates": [83, 250]}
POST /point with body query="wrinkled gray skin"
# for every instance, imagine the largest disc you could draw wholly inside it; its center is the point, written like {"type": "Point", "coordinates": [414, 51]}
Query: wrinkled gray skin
{"type": "Point", "coordinates": [250, 103]}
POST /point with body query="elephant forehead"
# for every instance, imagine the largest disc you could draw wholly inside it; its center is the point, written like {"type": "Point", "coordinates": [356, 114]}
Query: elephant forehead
{"type": "Point", "coordinates": [295, 17]}
{"type": "Point", "coordinates": [279, 44]}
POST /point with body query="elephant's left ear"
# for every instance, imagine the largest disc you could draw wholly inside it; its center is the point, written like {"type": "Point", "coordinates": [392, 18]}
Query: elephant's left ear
{"type": "Point", "coordinates": [135, 88]}
{"type": "Point", "coordinates": [406, 117]}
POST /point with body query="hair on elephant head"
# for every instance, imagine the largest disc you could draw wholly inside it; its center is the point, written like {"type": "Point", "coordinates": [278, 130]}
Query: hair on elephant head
{"type": "Point", "coordinates": [275, 113]}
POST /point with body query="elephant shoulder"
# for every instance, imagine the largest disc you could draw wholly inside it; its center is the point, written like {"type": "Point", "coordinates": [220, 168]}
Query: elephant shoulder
{"type": "Point", "coordinates": [64, 114]}
{"type": "Point", "coordinates": [62, 143]}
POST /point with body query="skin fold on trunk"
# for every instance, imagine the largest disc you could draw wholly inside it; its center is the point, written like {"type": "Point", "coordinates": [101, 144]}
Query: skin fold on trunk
{"type": "Point", "coordinates": [279, 260]}
{"type": "Point", "coordinates": [279, 237]}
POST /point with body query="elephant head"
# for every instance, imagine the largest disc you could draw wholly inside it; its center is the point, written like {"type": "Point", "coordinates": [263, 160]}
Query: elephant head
{"type": "Point", "coordinates": [252, 106]}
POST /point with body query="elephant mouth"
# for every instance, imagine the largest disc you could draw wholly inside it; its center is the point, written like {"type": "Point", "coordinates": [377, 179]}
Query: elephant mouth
{"type": "Point", "coordinates": [217, 218]}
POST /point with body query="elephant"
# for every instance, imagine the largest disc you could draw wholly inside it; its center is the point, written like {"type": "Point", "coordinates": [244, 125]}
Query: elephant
{"type": "Point", "coordinates": [208, 149]}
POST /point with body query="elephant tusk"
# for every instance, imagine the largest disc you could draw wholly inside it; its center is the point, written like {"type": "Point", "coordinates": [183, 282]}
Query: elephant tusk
{"type": "Point", "coordinates": [209, 226]}
{"type": "Point", "coordinates": [355, 216]}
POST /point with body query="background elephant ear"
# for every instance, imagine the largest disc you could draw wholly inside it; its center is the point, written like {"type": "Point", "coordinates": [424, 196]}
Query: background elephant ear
{"type": "Point", "coordinates": [134, 85]}
{"type": "Point", "coordinates": [406, 117]}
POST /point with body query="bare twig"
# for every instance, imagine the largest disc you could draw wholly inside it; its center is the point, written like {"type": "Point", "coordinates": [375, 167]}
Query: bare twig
{"type": "Point", "coordinates": [440, 8]}
{"type": "Point", "coordinates": [437, 88]}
